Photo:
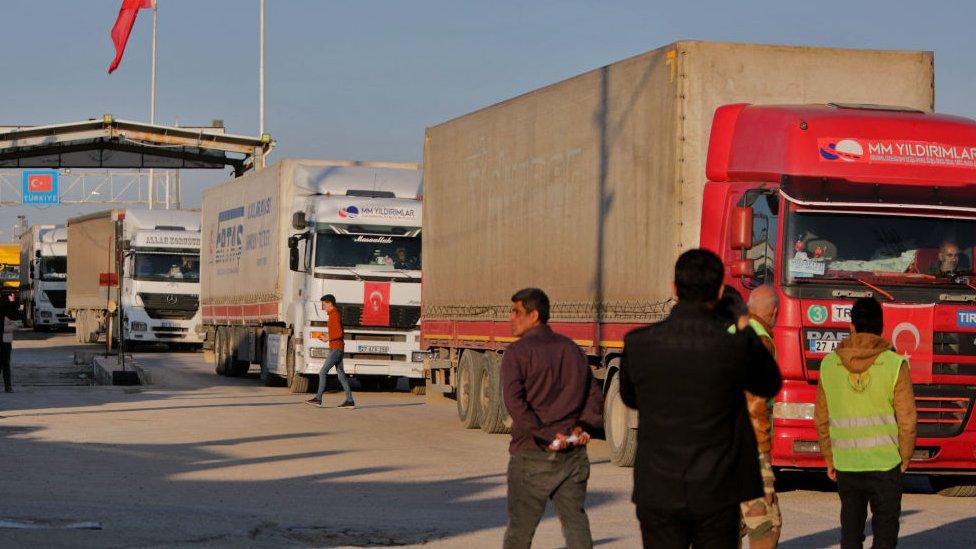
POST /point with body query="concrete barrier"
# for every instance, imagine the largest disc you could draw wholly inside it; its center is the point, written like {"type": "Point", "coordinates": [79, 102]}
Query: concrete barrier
{"type": "Point", "coordinates": [105, 365]}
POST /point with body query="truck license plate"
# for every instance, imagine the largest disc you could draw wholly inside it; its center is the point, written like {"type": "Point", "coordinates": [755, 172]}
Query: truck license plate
{"type": "Point", "coordinates": [822, 346]}
{"type": "Point", "coordinates": [373, 349]}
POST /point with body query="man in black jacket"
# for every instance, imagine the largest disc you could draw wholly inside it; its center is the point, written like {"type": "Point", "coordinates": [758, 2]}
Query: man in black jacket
{"type": "Point", "coordinates": [696, 450]}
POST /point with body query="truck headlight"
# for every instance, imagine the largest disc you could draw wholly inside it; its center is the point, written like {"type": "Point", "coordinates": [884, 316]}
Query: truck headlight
{"type": "Point", "coordinates": [45, 314]}
{"type": "Point", "coordinates": [418, 356]}
{"type": "Point", "coordinates": [138, 327]}
{"type": "Point", "coordinates": [793, 410]}
{"type": "Point", "coordinates": [321, 336]}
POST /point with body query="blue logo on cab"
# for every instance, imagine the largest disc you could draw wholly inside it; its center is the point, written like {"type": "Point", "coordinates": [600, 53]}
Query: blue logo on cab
{"type": "Point", "coordinates": [966, 318]}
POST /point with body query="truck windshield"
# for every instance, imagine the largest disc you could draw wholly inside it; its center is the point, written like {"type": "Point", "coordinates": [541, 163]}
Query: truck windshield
{"type": "Point", "coordinates": [54, 268]}
{"type": "Point", "coordinates": [169, 267]}
{"type": "Point", "coordinates": [899, 249]}
{"type": "Point", "coordinates": [378, 253]}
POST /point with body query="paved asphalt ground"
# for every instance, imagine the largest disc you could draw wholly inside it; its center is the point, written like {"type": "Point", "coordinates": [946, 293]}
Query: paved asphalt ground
{"type": "Point", "coordinates": [202, 461]}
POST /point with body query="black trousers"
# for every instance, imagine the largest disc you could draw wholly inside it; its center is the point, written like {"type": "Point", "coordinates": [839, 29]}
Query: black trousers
{"type": "Point", "coordinates": [534, 477]}
{"type": "Point", "coordinates": [681, 528]}
{"type": "Point", "coordinates": [882, 490]}
{"type": "Point", "coordinates": [5, 364]}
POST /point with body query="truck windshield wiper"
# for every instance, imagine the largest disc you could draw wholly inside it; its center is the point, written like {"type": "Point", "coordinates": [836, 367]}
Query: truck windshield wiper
{"type": "Point", "coordinates": [846, 293]}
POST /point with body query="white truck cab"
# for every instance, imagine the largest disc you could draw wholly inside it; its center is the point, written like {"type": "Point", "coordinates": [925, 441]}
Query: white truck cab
{"type": "Point", "coordinates": [44, 276]}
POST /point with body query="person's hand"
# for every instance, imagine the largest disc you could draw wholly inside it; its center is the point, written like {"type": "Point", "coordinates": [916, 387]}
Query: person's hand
{"type": "Point", "coordinates": [558, 444]}
{"type": "Point", "coordinates": [832, 473]}
{"type": "Point", "coordinates": [582, 437]}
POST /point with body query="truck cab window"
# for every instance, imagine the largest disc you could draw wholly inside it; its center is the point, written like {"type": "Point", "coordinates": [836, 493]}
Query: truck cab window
{"type": "Point", "coordinates": [765, 219]}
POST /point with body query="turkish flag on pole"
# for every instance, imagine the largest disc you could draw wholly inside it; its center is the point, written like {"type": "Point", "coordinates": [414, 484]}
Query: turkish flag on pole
{"type": "Point", "coordinates": [123, 26]}
{"type": "Point", "coordinates": [376, 304]}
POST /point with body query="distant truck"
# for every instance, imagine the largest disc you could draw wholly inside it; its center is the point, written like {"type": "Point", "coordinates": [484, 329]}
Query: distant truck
{"type": "Point", "coordinates": [590, 188]}
{"type": "Point", "coordinates": [157, 253]}
{"type": "Point", "coordinates": [44, 277]}
{"type": "Point", "coordinates": [279, 239]}
{"type": "Point", "coordinates": [10, 269]}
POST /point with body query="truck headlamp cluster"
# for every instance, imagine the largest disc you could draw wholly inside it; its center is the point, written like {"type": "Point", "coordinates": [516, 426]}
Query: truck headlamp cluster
{"type": "Point", "coordinates": [321, 336]}
{"type": "Point", "coordinates": [418, 356]}
{"type": "Point", "coordinates": [138, 326]}
{"type": "Point", "coordinates": [793, 410]}
{"type": "Point", "coordinates": [45, 314]}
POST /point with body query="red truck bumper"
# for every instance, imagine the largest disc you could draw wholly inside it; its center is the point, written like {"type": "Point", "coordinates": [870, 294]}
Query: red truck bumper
{"type": "Point", "coordinates": [796, 447]}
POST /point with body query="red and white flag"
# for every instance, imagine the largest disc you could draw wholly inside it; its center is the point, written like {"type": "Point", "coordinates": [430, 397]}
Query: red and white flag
{"type": "Point", "coordinates": [123, 26]}
{"type": "Point", "coordinates": [376, 304]}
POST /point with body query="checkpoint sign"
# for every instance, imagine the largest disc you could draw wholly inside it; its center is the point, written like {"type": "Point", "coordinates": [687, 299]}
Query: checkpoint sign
{"type": "Point", "coordinates": [41, 187]}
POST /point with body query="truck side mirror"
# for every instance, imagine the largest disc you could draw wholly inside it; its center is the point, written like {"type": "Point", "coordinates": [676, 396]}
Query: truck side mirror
{"type": "Point", "coordinates": [37, 254]}
{"type": "Point", "coordinates": [298, 221]}
{"type": "Point", "coordinates": [741, 228]}
{"type": "Point", "coordinates": [293, 253]}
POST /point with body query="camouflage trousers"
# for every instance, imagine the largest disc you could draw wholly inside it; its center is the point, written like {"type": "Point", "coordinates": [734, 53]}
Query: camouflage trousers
{"type": "Point", "coordinates": [761, 519]}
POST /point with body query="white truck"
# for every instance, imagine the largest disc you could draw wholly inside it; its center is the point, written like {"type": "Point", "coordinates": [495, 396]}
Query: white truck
{"type": "Point", "coordinates": [279, 239]}
{"type": "Point", "coordinates": [158, 254]}
{"type": "Point", "coordinates": [44, 276]}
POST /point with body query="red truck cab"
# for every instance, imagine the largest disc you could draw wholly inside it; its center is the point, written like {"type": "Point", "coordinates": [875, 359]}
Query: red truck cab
{"type": "Point", "coordinates": [830, 203]}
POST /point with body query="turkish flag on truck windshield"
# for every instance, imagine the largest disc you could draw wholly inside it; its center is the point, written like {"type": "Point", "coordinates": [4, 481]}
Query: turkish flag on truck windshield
{"type": "Point", "coordinates": [376, 304]}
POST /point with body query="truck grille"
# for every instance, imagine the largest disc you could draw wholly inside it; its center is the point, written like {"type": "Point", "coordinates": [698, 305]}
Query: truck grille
{"type": "Point", "coordinates": [943, 409]}
{"type": "Point", "coordinates": [57, 297]}
{"type": "Point", "coordinates": [954, 343]}
{"type": "Point", "coordinates": [170, 306]}
{"type": "Point", "coordinates": [401, 316]}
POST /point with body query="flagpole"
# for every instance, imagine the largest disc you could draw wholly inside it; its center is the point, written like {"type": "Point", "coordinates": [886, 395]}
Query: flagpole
{"type": "Point", "coordinates": [152, 105]}
{"type": "Point", "coordinates": [261, 70]}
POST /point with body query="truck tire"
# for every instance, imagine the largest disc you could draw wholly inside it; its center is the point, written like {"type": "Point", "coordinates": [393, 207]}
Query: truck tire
{"type": "Point", "coordinates": [297, 383]}
{"type": "Point", "coordinates": [621, 438]}
{"type": "Point", "coordinates": [954, 486]}
{"type": "Point", "coordinates": [220, 352]}
{"type": "Point", "coordinates": [235, 367]}
{"type": "Point", "coordinates": [468, 388]}
{"type": "Point", "coordinates": [418, 386]}
{"type": "Point", "coordinates": [494, 418]}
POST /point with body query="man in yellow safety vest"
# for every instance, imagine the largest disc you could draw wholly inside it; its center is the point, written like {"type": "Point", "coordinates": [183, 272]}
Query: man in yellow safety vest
{"type": "Point", "coordinates": [865, 417]}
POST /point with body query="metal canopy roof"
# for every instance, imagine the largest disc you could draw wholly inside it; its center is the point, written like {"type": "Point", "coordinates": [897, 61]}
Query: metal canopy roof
{"type": "Point", "coordinates": [111, 143]}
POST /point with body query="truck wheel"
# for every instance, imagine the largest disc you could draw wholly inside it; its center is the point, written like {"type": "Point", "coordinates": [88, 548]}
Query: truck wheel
{"type": "Point", "coordinates": [297, 383]}
{"type": "Point", "coordinates": [418, 386]}
{"type": "Point", "coordinates": [955, 487]}
{"type": "Point", "coordinates": [235, 367]}
{"type": "Point", "coordinates": [494, 418]}
{"type": "Point", "coordinates": [220, 360]}
{"type": "Point", "coordinates": [468, 390]}
{"type": "Point", "coordinates": [620, 437]}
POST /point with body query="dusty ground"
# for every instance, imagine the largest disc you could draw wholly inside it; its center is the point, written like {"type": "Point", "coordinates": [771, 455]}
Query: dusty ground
{"type": "Point", "coordinates": [198, 460]}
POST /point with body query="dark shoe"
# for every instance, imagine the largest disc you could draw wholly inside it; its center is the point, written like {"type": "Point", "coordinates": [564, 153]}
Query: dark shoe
{"type": "Point", "coordinates": [314, 402]}
{"type": "Point", "coordinates": [347, 405]}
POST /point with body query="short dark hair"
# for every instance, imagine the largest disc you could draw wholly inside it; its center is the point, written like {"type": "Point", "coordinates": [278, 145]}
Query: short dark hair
{"type": "Point", "coordinates": [330, 298]}
{"type": "Point", "coordinates": [698, 276]}
{"type": "Point", "coordinates": [533, 299]}
{"type": "Point", "coordinates": [867, 316]}
{"type": "Point", "coordinates": [731, 306]}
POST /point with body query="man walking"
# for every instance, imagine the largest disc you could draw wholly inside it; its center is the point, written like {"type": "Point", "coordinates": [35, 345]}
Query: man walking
{"type": "Point", "coordinates": [865, 417]}
{"type": "Point", "coordinates": [553, 398]}
{"type": "Point", "coordinates": [8, 315]}
{"type": "Point", "coordinates": [334, 358]}
{"type": "Point", "coordinates": [696, 450]}
{"type": "Point", "coordinates": [761, 517]}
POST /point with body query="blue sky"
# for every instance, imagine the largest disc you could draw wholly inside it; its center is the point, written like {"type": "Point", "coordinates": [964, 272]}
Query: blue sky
{"type": "Point", "coordinates": [361, 79]}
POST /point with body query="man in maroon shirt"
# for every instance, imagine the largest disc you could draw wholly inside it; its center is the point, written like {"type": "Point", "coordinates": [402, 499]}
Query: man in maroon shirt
{"type": "Point", "coordinates": [552, 397]}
